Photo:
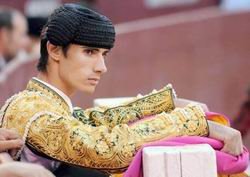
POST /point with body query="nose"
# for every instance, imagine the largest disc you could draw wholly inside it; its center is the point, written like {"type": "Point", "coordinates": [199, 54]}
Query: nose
{"type": "Point", "coordinates": [100, 65]}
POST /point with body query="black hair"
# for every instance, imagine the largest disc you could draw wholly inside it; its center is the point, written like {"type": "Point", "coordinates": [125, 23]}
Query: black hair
{"type": "Point", "coordinates": [6, 17]}
{"type": "Point", "coordinates": [75, 24]}
{"type": "Point", "coordinates": [42, 63]}
{"type": "Point", "coordinates": [35, 25]}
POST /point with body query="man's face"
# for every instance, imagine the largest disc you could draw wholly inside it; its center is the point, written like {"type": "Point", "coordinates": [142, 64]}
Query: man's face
{"type": "Point", "coordinates": [17, 38]}
{"type": "Point", "coordinates": [82, 67]}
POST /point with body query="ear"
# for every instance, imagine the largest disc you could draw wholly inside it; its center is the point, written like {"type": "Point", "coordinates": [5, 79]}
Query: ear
{"type": "Point", "coordinates": [55, 52]}
{"type": "Point", "coordinates": [4, 35]}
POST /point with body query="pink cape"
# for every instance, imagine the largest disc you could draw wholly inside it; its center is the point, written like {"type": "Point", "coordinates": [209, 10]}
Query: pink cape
{"type": "Point", "coordinates": [226, 163]}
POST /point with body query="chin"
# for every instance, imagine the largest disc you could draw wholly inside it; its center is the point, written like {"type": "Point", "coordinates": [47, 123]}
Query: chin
{"type": "Point", "coordinates": [88, 90]}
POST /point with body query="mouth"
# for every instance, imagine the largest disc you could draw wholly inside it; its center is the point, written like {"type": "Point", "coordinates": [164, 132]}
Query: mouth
{"type": "Point", "coordinates": [93, 81]}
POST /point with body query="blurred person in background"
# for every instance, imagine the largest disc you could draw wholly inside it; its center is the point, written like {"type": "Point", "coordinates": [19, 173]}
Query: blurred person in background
{"type": "Point", "coordinates": [13, 34]}
{"type": "Point", "coordinates": [242, 121]}
{"type": "Point", "coordinates": [20, 169]}
{"type": "Point", "coordinates": [11, 141]}
{"type": "Point", "coordinates": [35, 25]}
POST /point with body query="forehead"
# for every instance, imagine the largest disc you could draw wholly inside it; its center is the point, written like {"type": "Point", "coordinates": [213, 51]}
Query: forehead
{"type": "Point", "coordinates": [19, 21]}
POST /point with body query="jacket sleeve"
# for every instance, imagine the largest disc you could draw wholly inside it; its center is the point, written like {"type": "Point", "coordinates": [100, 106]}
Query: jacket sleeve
{"type": "Point", "coordinates": [69, 140]}
{"type": "Point", "coordinates": [151, 104]}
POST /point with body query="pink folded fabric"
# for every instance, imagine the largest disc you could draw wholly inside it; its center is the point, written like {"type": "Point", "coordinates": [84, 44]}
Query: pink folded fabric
{"type": "Point", "coordinates": [226, 163]}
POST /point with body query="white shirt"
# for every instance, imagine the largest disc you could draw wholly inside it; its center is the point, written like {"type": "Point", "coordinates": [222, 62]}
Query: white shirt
{"type": "Point", "coordinates": [59, 92]}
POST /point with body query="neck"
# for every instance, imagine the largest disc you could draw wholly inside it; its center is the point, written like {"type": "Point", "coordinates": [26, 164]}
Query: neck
{"type": "Point", "coordinates": [2, 46]}
{"type": "Point", "coordinates": [1, 49]}
{"type": "Point", "coordinates": [56, 82]}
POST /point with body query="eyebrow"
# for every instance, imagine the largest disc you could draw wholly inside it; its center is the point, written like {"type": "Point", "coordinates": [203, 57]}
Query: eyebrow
{"type": "Point", "coordinates": [106, 51]}
{"type": "Point", "coordinates": [94, 48]}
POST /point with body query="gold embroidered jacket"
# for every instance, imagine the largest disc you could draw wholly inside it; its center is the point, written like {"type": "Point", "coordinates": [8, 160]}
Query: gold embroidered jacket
{"type": "Point", "coordinates": [104, 139]}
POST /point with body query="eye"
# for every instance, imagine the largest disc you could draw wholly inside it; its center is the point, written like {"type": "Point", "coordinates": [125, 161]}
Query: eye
{"type": "Point", "coordinates": [89, 51]}
{"type": "Point", "coordinates": [105, 54]}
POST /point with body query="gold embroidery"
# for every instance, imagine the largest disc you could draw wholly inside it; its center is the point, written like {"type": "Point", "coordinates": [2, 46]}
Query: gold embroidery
{"type": "Point", "coordinates": [154, 103]}
{"type": "Point", "coordinates": [104, 146]}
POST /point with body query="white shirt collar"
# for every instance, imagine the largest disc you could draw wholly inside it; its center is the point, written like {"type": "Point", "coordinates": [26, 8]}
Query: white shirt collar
{"type": "Point", "coordinates": [64, 96]}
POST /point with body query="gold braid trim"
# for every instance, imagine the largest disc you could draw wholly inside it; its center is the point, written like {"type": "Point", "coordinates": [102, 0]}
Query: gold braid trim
{"type": "Point", "coordinates": [151, 104]}
{"type": "Point", "coordinates": [45, 121]}
{"type": "Point", "coordinates": [67, 139]}
{"type": "Point", "coordinates": [5, 106]}
{"type": "Point", "coordinates": [190, 121]}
